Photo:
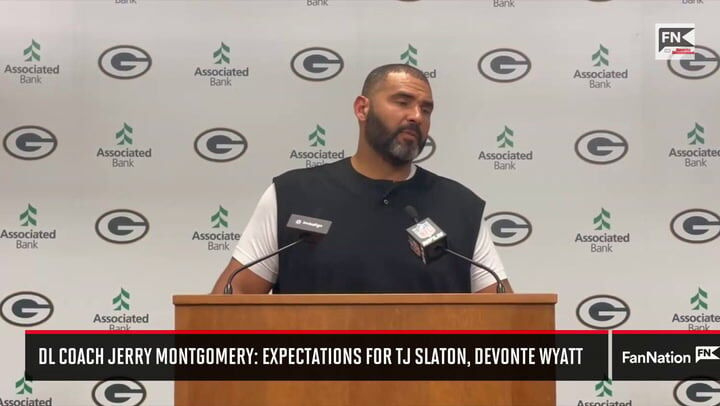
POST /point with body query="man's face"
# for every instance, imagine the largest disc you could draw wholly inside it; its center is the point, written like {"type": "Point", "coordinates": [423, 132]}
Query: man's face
{"type": "Point", "coordinates": [398, 119]}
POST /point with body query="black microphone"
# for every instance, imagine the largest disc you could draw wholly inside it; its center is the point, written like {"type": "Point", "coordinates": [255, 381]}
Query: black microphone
{"type": "Point", "coordinates": [307, 229]}
{"type": "Point", "coordinates": [429, 242]}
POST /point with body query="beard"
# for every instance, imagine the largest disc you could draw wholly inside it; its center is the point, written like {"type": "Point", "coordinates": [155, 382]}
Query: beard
{"type": "Point", "coordinates": [387, 143]}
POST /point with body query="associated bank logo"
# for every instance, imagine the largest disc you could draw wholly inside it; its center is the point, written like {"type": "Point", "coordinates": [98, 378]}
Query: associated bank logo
{"type": "Point", "coordinates": [122, 226]}
{"type": "Point", "coordinates": [602, 242]}
{"type": "Point", "coordinates": [121, 155]}
{"type": "Point", "coordinates": [601, 78]}
{"type": "Point", "coordinates": [697, 155]}
{"type": "Point", "coordinates": [28, 238]}
{"type": "Point", "coordinates": [428, 150]}
{"type": "Point", "coordinates": [122, 300]}
{"type": "Point", "coordinates": [601, 147]}
{"type": "Point", "coordinates": [504, 65]}
{"type": "Point", "coordinates": [30, 142]}
{"type": "Point", "coordinates": [505, 157]}
{"type": "Point", "coordinates": [604, 388]}
{"type": "Point", "coordinates": [697, 392]}
{"type": "Point", "coordinates": [224, 74]}
{"type": "Point", "coordinates": [696, 226]}
{"type": "Point", "coordinates": [698, 319]}
{"type": "Point", "coordinates": [318, 155]}
{"type": "Point", "coordinates": [220, 145]}
{"type": "Point", "coordinates": [121, 320]}
{"type": "Point", "coordinates": [26, 309]}
{"type": "Point", "coordinates": [31, 73]}
{"type": "Point", "coordinates": [410, 57]}
{"type": "Point", "coordinates": [508, 228]}
{"type": "Point", "coordinates": [23, 386]}
{"type": "Point", "coordinates": [317, 64]}
{"type": "Point", "coordinates": [124, 62]}
{"type": "Point", "coordinates": [705, 63]}
{"type": "Point", "coordinates": [118, 392]}
{"type": "Point", "coordinates": [217, 239]}
{"type": "Point", "coordinates": [603, 312]}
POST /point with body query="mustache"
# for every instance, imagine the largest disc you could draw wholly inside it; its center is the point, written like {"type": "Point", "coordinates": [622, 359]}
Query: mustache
{"type": "Point", "coordinates": [412, 127]}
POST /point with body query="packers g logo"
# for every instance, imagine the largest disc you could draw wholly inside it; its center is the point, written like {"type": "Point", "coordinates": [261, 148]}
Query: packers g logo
{"type": "Point", "coordinates": [30, 142]}
{"type": "Point", "coordinates": [122, 226]}
{"type": "Point", "coordinates": [119, 392]}
{"type": "Point", "coordinates": [705, 64]}
{"type": "Point", "coordinates": [507, 228]}
{"type": "Point", "coordinates": [317, 64]}
{"type": "Point", "coordinates": [697, 392]}
{"type": "Point", "coordinates": [427, 151]}
{"type": "Point", "coordinates": [504, 65]}
{"type": "Point", "coordinates": [696, 226]}
{"type": "Point", "coordinates": [124, 62]}
{"type": "Point", "coordinates": [603, 312]}
{"type": "Point", "coordinates": [601, 147]}
{"type": "Point", "coordinates": [26, 309]}
{"type": "Point", "coordinates": [220, 145]}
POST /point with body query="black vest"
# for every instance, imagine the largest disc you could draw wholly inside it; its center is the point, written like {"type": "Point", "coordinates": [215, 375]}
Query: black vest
{"type": "Point", "coordinates": [366, 250]}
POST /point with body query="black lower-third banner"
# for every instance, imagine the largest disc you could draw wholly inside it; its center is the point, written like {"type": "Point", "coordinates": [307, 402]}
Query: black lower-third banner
{"type": "Point", "coordinates": [370, 355]}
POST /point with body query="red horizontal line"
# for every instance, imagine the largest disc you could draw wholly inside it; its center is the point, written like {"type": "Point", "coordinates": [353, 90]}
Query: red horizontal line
{"type": "Point", "coordinates": [666, 332]}
{"type": "Point", "coordinates": [150, 332]}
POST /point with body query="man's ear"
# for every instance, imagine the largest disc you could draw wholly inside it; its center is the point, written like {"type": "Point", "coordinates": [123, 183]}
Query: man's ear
{"type": "Point", "coordinates": [361, 107]}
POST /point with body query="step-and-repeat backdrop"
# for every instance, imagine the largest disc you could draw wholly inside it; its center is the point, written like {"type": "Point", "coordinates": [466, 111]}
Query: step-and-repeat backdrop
{"type": "Point", "coordinates": [138, 135]}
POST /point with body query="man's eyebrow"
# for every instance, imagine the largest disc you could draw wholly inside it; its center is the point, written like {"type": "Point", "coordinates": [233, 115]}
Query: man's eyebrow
{"type": "Point", "coordinates": [401, 94]}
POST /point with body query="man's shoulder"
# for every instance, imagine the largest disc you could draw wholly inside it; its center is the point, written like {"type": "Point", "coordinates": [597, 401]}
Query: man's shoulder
{"type": "Point", "coordinates": [447, 185]}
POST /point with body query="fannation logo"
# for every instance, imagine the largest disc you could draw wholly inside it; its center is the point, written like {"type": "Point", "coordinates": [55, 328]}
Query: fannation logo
{"type": "Point", "coordinates": [699, 319]}
{"type": "Point", "coordinates": [602, 242]}
{"type": "Point", "coordinates": [121, 320]}
{"type": "Point", "coordinates": [31, 73]}
{"type": "Point", "coordinates": [603, 312]}
{"type": "Point", "coordinates": [30, 142]}
{"type": "Point", "coordinates": [317, 155]}
{"type": "Point", "coordinates": [705, 64]}
{"type": "Point", "coordinates": [601, 78]}
{"type": "Point", "coordinates": [220, 145]}
{"type": "Point", "coordinates": [120, 157]}
{"type": "Point", "coordinates": [222, 76]}
{"type": "Point", "coordinates": [428, 150]}
{"type": "Point", "coordinates": [504, 65]}
{"type": "Point", "coordinates": [697, 392]}
{"type": "Point", "coordinates": [122, 226]}
{"type": "Point", "coordinates": [696, 226]}
{"type": "Point", "coordinates": [601, 147]}
{"type": "Point", "coordinates": [410, 57]}
{"type": "Point", "coordinates": [217, 240]}
{"type": "Point", "coordinates": [508, 228]}
{"type": "Point", "coordinates": [28, 239]}
{"type": "Point", "coordinates": [26, 309]}
{"type": "Point", "coordinates": [119, 392]}
{"type": "Point", "coordinates": [696, 156]}
{"type": "Point", "coordinates": [505, 158]}
{"type": "Point", "coordinates": [124, 62]}
{"type": "Point", "coordinates": [317, 64]}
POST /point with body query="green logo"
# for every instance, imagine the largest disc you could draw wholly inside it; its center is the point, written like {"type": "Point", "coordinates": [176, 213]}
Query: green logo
{"type": "Point", "coordinates": [409, 57]}
{"type": "Point", "coordinates": [604, 388]}
{"type": "Point", "coordinates": [316, 137]}
{"type": "Point", "coordinates": [26, 218]}
{"type": "Point", "coordinates": [601, 221]}
{"type": "Point", "coordinates": [123, 136]}
{"type": "Point", "coordinates": [23, 386]}
{"type": "Point", "coordinates": [696, 135]}
{"type": "Point", "coordinates": [600, 57]}
{"type": "Point", "coordinates": [220, 55]}
{"type": "Point", "coordinates": [219, 219]}
{"type": "Point", "coordinates": [505, 138]}
{"type": "Point", "coordinates": [699, 300]}
{"type": "Point", "coordinates": [32, 52]}
{"type": "Point", "coordinates": [120, 300]}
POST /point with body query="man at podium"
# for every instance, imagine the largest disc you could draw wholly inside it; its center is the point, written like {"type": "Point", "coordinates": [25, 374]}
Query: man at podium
{"type": "Point", "coordinates": [368, 198]}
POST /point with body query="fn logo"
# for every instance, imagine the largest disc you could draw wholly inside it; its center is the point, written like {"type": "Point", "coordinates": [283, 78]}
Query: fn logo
{"type": "Point", "coordinates": [674, 41]}
{"type": "Point", "coordinates": [703, 352]}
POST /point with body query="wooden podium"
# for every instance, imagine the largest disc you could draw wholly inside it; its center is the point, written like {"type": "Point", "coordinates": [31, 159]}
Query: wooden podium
{"type": "Point", "coordinates": [365, 312]}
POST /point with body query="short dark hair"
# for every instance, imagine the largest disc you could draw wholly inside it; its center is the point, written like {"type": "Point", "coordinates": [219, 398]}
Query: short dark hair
{"type": "Point", "coordinates": [378, 75]}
